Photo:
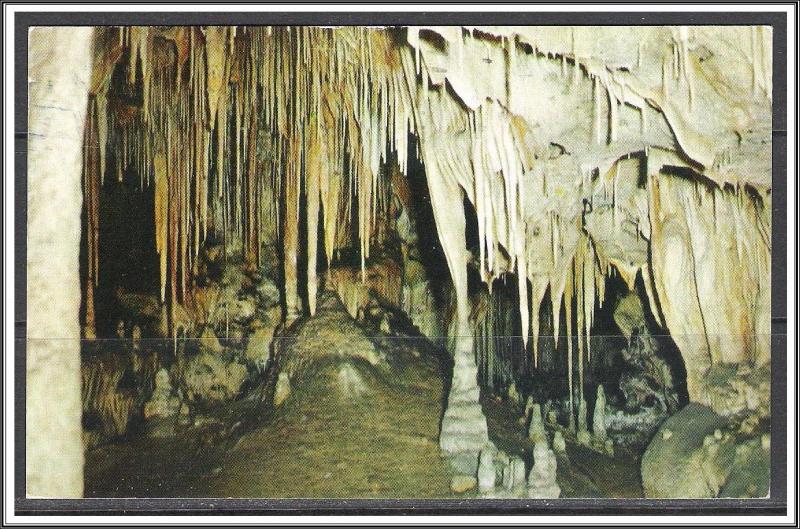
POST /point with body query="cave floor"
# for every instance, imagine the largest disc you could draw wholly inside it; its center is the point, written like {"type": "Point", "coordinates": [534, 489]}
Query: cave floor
{"type": "Point", "coordinates": [353, 426]}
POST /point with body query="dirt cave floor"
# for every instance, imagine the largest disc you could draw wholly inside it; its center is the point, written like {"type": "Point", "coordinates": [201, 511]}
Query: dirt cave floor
{"type": "Point", "coordinates": [361, 420]}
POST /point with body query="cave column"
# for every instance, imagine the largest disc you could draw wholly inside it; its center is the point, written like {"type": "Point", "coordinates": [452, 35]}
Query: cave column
{"type": "Point", "coordinates": [464, 432]}
{"type": "Point", "coordinates": [674, 275]}
{"type": "Point", "coordinates": [60, 70]}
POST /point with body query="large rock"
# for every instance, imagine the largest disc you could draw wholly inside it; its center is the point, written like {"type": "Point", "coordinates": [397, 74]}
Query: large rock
{"type": "Point", "coordinates": [682, 460]}
{"type": "Point", "coordinates": [750, 472]}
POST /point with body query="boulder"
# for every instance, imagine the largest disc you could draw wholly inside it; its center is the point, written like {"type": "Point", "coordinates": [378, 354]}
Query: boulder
{"type": "Point", "coordinates": [750, 472]}
{"type": "Point", "coordinates": [681, 460]}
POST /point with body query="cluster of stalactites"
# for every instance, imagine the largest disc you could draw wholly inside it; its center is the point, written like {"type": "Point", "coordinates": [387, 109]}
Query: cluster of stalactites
{"type": "Point", "coordinates": [209, 117]}
{"type": "Point", "coordinates": [535, 200]}
{"type": "Point", "coordinates": [212, 117]}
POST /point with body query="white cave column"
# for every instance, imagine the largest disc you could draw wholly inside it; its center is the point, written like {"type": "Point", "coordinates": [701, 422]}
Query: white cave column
{"type": "Point", "coordinates": [464, 429]}
{"type": "Point", "coordinates": [59, 74]}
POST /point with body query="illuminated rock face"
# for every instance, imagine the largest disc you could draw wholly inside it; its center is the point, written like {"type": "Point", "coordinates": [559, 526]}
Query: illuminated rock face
{"type": "Point", "coordinates": [60, 66]}
{"type": "Point", "coordinates": [595, 151]}
{"type": "Point", "coordinates": [585, 152]}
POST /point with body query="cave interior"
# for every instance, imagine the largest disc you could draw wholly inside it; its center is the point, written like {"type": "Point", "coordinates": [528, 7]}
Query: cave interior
{"type": "Point", "coordinates": [517, 262]}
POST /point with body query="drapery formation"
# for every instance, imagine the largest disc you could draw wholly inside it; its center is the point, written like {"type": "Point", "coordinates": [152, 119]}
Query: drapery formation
{"type": "Point", "coordinates": [584, 151]}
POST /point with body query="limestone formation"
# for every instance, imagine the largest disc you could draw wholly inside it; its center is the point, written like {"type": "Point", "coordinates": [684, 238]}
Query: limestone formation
{"type": "Point", "coordinates": [625, 112]}
{"type": "Point", "coordinates": [559, 444]}
{"type": "Point", "coordinates": [464, 429]}
{"type": "Point", "coordinates": [207, 377]}
{"type": "Point", "coordinates": [536, 431]}
{"type": "Point", "coordinates": [164, 402]}
{"type": "Point", "coordinates": [579, 153]}
{"type": "Point", "coordinates": [584, 437]}
{"type": "Point", "coordinates": [282, 389]}
{"type": "Point", "coordinates": [542, 479]}
{"type": "Point", "coordinates": [689, 462]}
{"type": "Point", "coordinates": [513, 395]}
{"type": "Point", "coordinates": [599, 417]}
{"type": "Point", "coordinates": [259, 344]}
{"type": "Point", "coordinates": [514, 475]}
{"type": "Point", "coordinates": [486, 470]}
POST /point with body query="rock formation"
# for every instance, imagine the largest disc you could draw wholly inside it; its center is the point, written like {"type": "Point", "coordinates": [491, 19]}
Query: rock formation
{"type": "Point", "coordinates": [542, 479]}
{"type": "Point", "coordinates": [579, 153]}
{"type": "Point", "coordinates": [536, 431]}
{"type": "Point", "coordinates": [486, 470]}
{"type": "Point", "coordinates": [514, 475]}
{"type": "Point", "coordinates": [599, 417]}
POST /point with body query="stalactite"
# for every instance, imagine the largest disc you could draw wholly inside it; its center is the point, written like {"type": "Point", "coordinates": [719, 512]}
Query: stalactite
{"type": "Point", "coordinates": [313, 177]}
{"type": "Point", "coordinates": [568, 294]}
{"type": "Point", "coordinates": [91, 191]}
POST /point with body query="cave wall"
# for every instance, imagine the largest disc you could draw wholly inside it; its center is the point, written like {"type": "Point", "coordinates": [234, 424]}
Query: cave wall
{"type": "Point", "coordinates": [60, 68]}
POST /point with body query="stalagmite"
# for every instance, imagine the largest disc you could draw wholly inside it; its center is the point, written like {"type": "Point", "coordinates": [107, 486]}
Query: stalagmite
{"type": "Point", "coordinates": [514, 475]}
{"type": "Point", "coordinates": [486, 471]}
{"type": "Point", "coordinates": [313, 176]}
{"type": "Point", "coordinates": [599, 417]}
{"type": "Point", "coordinates": [559, 444]}
{"type": "Point", "coordinates": [536, 431]}
{"type": "Point", "coordinates": [542, 479]}
{"type": "Point", "coordinates": [583, 426]}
